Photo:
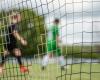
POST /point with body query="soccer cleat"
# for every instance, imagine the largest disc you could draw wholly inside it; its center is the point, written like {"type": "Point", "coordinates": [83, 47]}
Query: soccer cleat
{"type": "Point", "coordinates": [62, 68]}
{"type": "Point", "coordinates": [43, 68]}
{"type": "Point", "coordinates": [23, 69]}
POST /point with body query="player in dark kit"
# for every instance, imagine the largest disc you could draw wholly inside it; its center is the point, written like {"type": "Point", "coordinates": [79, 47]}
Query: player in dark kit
{"type": "Point", "coordinates": [10, 46]}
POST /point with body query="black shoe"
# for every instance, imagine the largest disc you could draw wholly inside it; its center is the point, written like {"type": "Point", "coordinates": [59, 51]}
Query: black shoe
{"type": "Point", "coordinates": [62, 68]}
{"type": "Point", "coordinates": [43, 68]}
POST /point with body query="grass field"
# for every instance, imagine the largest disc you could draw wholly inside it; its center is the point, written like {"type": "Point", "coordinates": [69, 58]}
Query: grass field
{"type": "Point", "coordinates": [11, 72]}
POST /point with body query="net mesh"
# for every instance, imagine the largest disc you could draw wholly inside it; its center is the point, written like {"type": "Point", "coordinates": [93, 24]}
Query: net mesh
{"type": "Point", "coordinates": [79, 35]}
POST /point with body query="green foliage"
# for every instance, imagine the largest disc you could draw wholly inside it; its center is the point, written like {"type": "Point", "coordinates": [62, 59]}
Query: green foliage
{"type": "Point", "coordinates": [30, 27]}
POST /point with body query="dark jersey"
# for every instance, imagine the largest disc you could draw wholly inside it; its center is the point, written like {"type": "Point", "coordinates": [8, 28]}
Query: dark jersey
{"type": "Point", "coordinates": [10, 40]}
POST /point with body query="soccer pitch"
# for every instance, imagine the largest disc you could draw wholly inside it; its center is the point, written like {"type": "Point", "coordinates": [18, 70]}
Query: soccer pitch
{"type": "Point", "coordinates": [11, 72]}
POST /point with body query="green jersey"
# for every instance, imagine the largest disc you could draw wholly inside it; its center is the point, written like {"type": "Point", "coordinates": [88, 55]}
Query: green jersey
{"type": "Point", "coordinates": [52, 33]}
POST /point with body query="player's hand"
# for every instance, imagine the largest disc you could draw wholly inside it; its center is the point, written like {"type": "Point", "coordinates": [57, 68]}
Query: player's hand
{"type": "Point", "coordinates": [23, 42]}
{"type": "Point", "coordinates": [58, 43]}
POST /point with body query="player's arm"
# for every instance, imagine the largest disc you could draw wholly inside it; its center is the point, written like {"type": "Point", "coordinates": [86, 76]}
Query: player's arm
{"type": "Point", "coordinates": [57, 40]}
{"type": "Point", "coordinates": [57, 37]}
{"type": "Point", "coordinates": [20, 38]}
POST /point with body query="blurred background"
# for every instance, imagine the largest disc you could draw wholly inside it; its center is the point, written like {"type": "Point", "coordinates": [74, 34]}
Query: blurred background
{"type": "Point", "coordinates": [79, 25]}
{"type": "Point", "coordinates": [79, 28]}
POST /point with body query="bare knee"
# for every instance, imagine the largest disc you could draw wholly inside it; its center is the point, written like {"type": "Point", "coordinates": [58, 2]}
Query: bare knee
{"type": "Point", "coordinates": [17, 52]}
{"type": "Point", "coordinates": [50, 55]}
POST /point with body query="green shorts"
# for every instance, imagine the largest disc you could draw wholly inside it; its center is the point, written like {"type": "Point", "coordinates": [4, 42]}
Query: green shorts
{"type": "Point", "coordinates": [52, 47]}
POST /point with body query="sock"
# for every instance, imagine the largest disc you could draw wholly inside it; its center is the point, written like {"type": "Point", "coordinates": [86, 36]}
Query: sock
{"type": "Point", "coordinates": [19, 60]}
{"type": "Point", "coordinates": [45, 60]}
{"type": "Point", "coordinates": [62, 61]}
{"type": "Point", "coordinates": [3, 60]}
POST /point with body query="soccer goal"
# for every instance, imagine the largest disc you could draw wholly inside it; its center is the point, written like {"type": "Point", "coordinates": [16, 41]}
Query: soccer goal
{"type": "Point", "coordinates": [49, 40]}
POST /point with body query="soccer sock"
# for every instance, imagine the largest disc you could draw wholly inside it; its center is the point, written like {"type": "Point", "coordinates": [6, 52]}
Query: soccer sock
{"type": "Point", "coordinates": [62, 61]}
{"type": "Point", "coordinates": [19, 60]}
{"type": "Point", "coordinates": [45, 60]}
{"type": "Point", "coordinates": [3, 60]}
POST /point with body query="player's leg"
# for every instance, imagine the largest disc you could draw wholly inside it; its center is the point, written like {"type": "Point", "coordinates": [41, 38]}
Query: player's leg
{"type": "Point", "coordinates": [47, 56]}
{"type": "Point", "coordinates": [17, 53]}
{"type": "Point", "coordinates": [45, 61]}
{"type": "Point", "coordinates": [4, 56]}
{"type": "Point", "coordinates": [62, 61]}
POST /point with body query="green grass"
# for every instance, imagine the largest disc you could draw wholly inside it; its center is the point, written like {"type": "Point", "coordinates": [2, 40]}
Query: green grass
{"type": "Point", "coordinates": [52, 71]}
{"type": "Point", "coordinates": [87, 71]}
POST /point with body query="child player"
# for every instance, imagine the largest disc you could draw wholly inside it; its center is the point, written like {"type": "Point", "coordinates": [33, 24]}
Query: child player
{"type": "Point", "coordinates": [53, 45]}
{"type": "Point", "coordinates": [11, 47]}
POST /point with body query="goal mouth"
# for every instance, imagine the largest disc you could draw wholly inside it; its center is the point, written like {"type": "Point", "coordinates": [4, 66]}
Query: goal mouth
{"type": "Point", "coordinates": [50, 39]}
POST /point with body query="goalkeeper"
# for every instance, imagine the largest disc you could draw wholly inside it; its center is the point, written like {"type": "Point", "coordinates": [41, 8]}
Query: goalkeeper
{"type": "Point", "coordinates": [10, 46]}
{"type": "Point", "coordinates": [53, 45]}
